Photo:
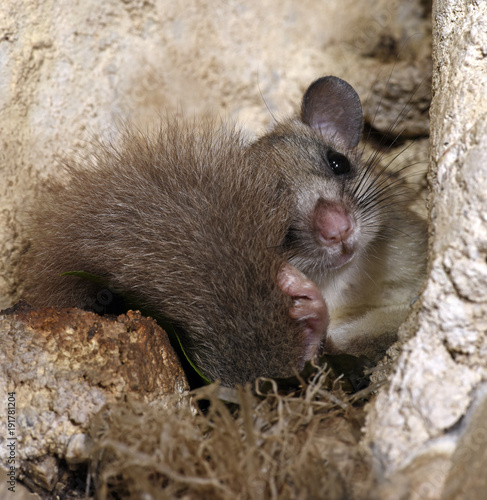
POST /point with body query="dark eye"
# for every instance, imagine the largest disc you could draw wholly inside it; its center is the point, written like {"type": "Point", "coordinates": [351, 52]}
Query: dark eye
{"type": "Point", "coordinates": [339, 163]}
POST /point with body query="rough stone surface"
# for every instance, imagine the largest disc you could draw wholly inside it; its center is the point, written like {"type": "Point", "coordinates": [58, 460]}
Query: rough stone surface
{"type": "Point", "coordinates": [467, 478]}
{"type": "Point", "coordinates": [20, 492]}
{"type": "Point", "coordinates": [64, 365]}
{"type": "Point", "coordinates": [433, 385]}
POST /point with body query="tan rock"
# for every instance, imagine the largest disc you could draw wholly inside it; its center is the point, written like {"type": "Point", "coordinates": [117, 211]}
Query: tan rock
{"type": "Point", "coordinates": [416, 421]}
{"type": "Point", "coordinates": [59, 367]}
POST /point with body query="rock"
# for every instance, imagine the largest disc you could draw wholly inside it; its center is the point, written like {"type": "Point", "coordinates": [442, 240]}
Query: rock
{"type": "Point", "coordinates": [416, 422]}
{"type": "Point", "coordinates": [466, 477]}
{"type": "Point", "coordinates": [17, 491]}
{"type": "Point", "coordinates": [61, 366]}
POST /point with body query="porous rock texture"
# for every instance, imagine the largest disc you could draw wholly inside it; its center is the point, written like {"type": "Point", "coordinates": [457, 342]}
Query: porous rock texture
{"type": "Point", "coordinates": [59, 367]}
{"type": "Point", "coordinates": [440, 375]}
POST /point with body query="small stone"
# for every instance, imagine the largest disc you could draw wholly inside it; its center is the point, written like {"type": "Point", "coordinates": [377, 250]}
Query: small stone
{"type": "Point", "coordinates": [43, 472]}
{"type": "Point", "coordinates": [78, 449]}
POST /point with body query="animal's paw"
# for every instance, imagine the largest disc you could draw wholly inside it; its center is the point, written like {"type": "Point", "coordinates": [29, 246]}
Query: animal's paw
{"type": "Point", "coordinates": [309, 307]}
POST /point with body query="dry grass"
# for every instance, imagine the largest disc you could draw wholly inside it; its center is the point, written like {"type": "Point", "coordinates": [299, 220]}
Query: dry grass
{"type": "Point", "coordinates": [302, 445]}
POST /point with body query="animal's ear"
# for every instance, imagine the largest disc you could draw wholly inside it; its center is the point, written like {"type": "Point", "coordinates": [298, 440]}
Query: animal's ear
{"type": "Point", "coordinates": [331, 107]}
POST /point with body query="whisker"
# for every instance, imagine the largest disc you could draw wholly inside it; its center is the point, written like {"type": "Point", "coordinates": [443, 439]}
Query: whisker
{"type": "Point", "coordinates": [265, 102]}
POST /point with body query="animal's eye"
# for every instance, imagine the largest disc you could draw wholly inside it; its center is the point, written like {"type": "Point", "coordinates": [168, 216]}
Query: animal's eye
{"type": "Point", "coordinates": [339, 163]}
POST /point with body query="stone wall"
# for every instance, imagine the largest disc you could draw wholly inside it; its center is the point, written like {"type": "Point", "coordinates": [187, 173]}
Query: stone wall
{"type": "Point", "coordinates": [440, 376]}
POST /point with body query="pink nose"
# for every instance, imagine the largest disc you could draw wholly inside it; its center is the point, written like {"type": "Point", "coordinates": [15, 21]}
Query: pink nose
{"type": "Point", "coordinates": [333, 223]}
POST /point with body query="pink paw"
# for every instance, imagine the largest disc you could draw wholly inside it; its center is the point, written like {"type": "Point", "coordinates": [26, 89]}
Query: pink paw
{"type": "Point", "coordinates": [308, 308]}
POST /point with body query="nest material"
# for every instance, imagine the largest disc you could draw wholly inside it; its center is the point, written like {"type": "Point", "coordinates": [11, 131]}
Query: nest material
{"type": "Point", "coordinates": [297, 446]}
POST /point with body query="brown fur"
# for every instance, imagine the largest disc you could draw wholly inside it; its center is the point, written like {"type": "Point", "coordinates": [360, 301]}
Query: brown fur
{"type": "Point", "coordinates": [181, 220]}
